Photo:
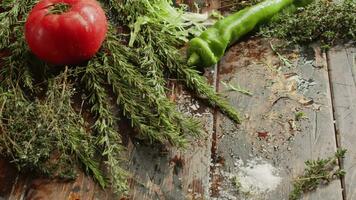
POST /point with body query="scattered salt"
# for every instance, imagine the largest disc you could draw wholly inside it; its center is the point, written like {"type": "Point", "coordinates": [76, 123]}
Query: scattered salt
{"type": "Point", "coordinates": [257, 177]}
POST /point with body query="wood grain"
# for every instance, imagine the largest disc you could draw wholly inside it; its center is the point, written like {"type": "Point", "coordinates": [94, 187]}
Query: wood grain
{"type": "Point", "coordinates": [342, 65]}
{"type": "Point", "coordinates": [270, 133]}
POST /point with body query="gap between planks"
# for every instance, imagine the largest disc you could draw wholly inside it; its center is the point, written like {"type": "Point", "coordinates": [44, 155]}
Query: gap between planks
{"type": "Point", "coordinates": [214, 174]}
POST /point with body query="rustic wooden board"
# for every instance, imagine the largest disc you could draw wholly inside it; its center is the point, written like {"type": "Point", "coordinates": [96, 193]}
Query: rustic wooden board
{"type": "Point", "coordinates": [342, 65]}
{"type": "Point", "coordinates": [269, 133]}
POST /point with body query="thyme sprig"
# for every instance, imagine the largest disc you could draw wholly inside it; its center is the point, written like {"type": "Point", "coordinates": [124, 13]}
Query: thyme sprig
{"type": "Point", "coordinates": [320, 171]}
{"type": "Point", "coordinates": [46, 133]}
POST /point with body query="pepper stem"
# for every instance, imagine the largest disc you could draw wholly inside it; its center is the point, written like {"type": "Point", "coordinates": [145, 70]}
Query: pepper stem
{"type": "Point", "coordinates": [59, 8]}
{"type": "Point", "coordinates": [193, 59]}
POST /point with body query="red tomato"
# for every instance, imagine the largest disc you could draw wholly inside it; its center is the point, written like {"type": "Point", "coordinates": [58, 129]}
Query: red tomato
{"type": "Point", "coordinates": [67, 37]}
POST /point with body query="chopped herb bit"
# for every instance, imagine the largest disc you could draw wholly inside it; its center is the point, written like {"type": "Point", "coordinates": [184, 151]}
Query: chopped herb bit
{"type": "Point", "coordinates": [236, 88]}
{"type": "Point", "coordinates": [299, 116]}
{"type": "Point", "coordinates": [283, 59]}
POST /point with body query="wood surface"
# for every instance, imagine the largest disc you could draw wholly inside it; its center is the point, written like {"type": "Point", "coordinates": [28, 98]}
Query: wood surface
{"type": "Point", "coordinates": [342, 66]}
{"type": "Point", "coordinates": [174, 174]}
{"type": "Point", "coordinates": [276, 98]}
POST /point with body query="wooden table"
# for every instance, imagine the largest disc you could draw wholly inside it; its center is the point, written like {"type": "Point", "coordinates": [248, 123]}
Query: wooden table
{"type": "Point", "coordinates": [320, 85]}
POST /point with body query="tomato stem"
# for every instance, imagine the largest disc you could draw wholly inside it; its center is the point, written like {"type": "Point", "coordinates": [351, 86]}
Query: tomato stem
{"type": "Point", "coordinates": [59, 8]}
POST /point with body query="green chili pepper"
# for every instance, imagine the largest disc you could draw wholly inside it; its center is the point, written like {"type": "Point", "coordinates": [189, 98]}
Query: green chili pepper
{"type": "Point", "coordinates": [210, 46]}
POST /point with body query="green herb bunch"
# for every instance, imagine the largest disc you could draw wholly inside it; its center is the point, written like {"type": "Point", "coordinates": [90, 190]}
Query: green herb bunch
{"type": "Point", "coordinates": [308, 21]}
{"type": "Point", "coordinates": [46, 132]}
{"type": "Point", "coordinates": [322, 20]}
{"type": "Point", "coordinates": [42, 121]}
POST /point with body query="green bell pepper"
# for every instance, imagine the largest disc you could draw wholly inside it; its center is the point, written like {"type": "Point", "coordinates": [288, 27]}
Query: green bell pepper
{"type": "Point", "coordinates": [210, 46]}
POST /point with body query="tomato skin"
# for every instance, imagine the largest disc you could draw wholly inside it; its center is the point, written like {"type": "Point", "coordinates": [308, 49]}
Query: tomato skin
{"type": "Point", "coordinates": [67, 38]}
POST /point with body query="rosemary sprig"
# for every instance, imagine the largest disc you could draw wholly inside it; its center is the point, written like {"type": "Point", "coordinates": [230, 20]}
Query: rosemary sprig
{"type": "Point", "coordinates": [107, 136]}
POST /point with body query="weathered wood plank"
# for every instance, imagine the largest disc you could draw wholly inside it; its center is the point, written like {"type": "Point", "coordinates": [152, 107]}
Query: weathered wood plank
{"type": "Point", "coordinates": [270, 138]}
{"type": "Point", "coordinates": [33, 187]}
{"type": "Point", "coordinates": [173, 174]}
{"type": "Point", "coordinates": [342, 65]}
